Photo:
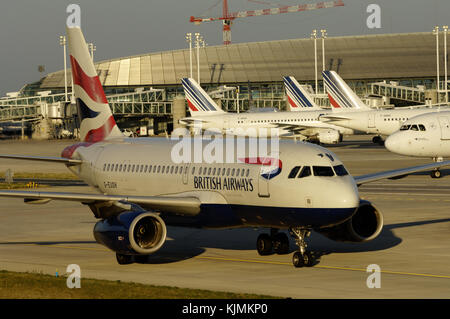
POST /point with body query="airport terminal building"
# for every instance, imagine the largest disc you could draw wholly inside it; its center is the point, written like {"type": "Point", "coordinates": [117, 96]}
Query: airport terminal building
{"type": "Point", "coordinates": [146, 86]}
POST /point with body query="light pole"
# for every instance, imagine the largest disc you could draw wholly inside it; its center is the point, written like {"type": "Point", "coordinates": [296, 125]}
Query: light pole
{"type": "Point", "coordinates": [198, 39]}
{"type": "Point", "coordinates": [324, 36]}
{"type": "Point", "coordinates": [436, 32]}
{"type": "Point", "coordinates": [445, 27]}
{"type": "Point", "coordinates": [314, 37]}
{"type": "Point", "coordinates": [63, 42]}
{"type": "Point", "coordinates": [189, 40]}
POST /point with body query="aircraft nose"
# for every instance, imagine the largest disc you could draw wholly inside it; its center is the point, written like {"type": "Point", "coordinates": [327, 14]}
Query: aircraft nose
{"type": "Point", "coordinates": [393, 143]}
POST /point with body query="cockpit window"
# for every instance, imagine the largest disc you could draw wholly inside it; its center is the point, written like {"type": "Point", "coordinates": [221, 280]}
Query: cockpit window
{"type": "Point", "coordinates": [340, 170]}
{"type": "Point", "coordinates": [422, 127]}
{"type": "Point", "coordinates": [323, 171]}
{"type": "Point", "coordinates": [306, 171]}
{"type": "Point", "coordinates": [414, 128]}
{"type": "Point", "coordinates": [405, 127]}
{"type": "Point", "coordinates": [294, 172]}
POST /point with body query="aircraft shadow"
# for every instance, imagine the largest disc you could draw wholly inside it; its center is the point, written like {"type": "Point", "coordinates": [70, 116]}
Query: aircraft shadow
{"type": "Point", "coordinates": [185, 243]}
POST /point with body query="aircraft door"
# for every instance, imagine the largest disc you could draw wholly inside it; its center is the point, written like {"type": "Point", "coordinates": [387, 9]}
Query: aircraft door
{"type": "Point", "coordinates": [371, 123]}
{"type": "Point", "coordinates": [445, 127]}
{"type": "Point", "coordinates": [270, 167]}
{"type": "Point", "coordinates": [185, 174]}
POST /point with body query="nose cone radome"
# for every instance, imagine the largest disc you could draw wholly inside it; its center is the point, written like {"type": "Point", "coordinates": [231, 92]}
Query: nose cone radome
{"type": "Point", "coordinates": [394, 143]}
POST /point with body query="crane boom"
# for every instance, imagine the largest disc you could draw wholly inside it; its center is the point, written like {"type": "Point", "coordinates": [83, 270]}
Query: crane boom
{"type": "Point", "coordinates": [227, 17]}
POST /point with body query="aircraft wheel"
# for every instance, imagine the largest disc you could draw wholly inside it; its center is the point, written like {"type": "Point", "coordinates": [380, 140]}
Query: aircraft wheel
{"type": "Point", "coordinates": [297, 259]}
{"type": "Point", "coordinates": [124, 259]}
{"type": "Point", "coordinates": [436, 174]}
{"type": "Point", "coordinates": [264, 245]}
{"type": "Point", "coordinates": [308, 259]}
{"type": "Point", "coordinates": [281, 243]}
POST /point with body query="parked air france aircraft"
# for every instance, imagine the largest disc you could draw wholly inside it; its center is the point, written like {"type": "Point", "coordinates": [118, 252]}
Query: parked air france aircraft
{"type": "Point", "coordinates": [143, 186]}
{"type": "Point", "coordinates": [383, 122]}
{"type": "Point", "coordinates": [298, 97]}
{"type": "Point", "coordinates": [426, 135]}
{"type": "Point", "coordinates": [207, 115]}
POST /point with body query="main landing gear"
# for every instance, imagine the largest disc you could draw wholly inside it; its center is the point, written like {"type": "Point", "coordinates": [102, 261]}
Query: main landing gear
{"type": "Point", "coordinates": [275, 242]}
{"type": "Point", "coordinates": [302, 257]}
{"type": "Point", "coordinates": [279, 243]}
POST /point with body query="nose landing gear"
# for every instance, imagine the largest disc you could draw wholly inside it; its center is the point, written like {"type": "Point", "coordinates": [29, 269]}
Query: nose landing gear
{"type": "Point", "coordinates": [302, 257]}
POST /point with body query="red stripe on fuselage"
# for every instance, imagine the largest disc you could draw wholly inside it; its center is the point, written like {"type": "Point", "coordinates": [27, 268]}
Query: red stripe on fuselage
{"type": "Point", "coordinates": [91, 85]}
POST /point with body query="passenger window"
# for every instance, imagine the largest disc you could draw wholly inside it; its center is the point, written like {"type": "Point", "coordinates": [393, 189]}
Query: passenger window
{"type": "Point", "coordinates": [214, 171]}
{"type": "Point", "coordinates": [145, 168]}
{"type": "Point", "coordinates": [248, 172]}
{"type": "Point", "coordinates": [159, 168]}
{"type": "Point", "coordinates": [193, 170]}
{"type": "Point", "coordinates": [323, 171]}
{"type": "Point", "coordinates": [238, 171]}
{"type": "Point", "coordinates": [107, 168]}
{"type": "Point", "coordinates": [117, 167]}
{"type": "Point", "coordinates": [154, 169]}
{"type": "Point", "coordinates": [228, 172]}
{"type": "Point", "coordinates": [232, 172]}
{"type": "Point", "coordinates": [171, 169]}
{"type": "Point", "coordinates": [306, 171]}
{"type": "Point", "coordinates": [209, 171]}
{"type": "Point", "coordinates": [200, 171]}
{"type": "Point", "coordinates": [120, 167]}
{"type": "Point", "coordinates": [340, 170]}
{"type": "Point", "coordinates": [294, 172]}
{"type": "Point", "coordinates": [176, 169]}
{"type": "Point", "coordinates": [422, 127]}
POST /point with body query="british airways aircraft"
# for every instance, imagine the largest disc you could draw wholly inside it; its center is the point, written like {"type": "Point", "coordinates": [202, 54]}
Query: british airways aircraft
{"type": "Point", "coordinates": [207, 115]}
{"type": "Point", "coordinates": [143, 186]}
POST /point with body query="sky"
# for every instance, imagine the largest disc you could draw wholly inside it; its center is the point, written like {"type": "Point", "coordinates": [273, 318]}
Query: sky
{"type": "Point", "coordinates": [30, 29]}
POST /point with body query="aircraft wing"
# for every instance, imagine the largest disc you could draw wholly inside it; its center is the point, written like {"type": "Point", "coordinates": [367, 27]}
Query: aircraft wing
{"type": "Point", "coordinates": [398, 173]}
{"type": "Point", "coordinates": [62, 160]}
{"type": "Point", "coordinates": [182, 205]}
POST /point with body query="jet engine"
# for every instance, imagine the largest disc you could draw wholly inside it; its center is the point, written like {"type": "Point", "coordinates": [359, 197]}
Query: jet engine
{"type": "Point", "coordinates": [329, 136]}
{"type": "Point", "coordinates": [132, 233]}
{"type": "Point", "coordinates": [365, 225]}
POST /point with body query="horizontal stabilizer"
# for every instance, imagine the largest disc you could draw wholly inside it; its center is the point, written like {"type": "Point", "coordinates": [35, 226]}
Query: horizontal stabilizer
{"type": "Point", "coordinates": [61, 160]}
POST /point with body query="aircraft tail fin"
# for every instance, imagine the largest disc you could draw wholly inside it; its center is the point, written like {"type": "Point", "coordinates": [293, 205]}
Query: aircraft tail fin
{"type": "Point", "coordinates": [97, 121]}
{"type": "Point", "coordinates": [340, 94]}
{"type": "Point", "coordinates": [199, 102]}
{"type": "Point", "coordinates": [298, 97]}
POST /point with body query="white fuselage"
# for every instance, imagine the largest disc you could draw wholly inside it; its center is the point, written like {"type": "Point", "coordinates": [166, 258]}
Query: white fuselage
{"type": "Point", "coordinates": [274, 123]}
{"type": "Point", "coordinates": [145, 167]}
{"type": "Point", "coordinates": [426, 135]}
{"type": "Point", "coordinates": [379, 121]}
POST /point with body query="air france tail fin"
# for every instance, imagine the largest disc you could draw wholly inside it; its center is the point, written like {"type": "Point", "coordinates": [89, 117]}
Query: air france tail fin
{"type": "Point", "coordinates": [340, 94]}
{"type": "Point", "coordinates": [97, 121]}
{"type": "Point", "coordinates": [299, 99]}
{"type": "Point", "coordinates": [199, 102]}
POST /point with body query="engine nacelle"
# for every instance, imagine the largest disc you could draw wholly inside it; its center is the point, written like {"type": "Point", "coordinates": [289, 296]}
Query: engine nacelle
{"type": "Point", "coordinates": [132, 233]}
{"type": "Point", "coordinates": [365, 225]}
{"type": "Point", "coordinates": [329, 136]}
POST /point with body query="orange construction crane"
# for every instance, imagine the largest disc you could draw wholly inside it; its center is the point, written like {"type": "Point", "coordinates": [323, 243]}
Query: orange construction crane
{"type": "Point", "coordinates": [228, 17]}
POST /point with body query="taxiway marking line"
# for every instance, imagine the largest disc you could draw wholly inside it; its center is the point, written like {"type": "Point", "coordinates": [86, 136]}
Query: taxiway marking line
{"type": "Point", "coordinates": [324, 267]}
{"type": "Point", "coordinates": [265, 262]}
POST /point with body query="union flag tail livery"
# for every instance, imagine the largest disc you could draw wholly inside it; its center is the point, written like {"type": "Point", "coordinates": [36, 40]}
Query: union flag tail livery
{"type": "Point", "coordinates": [299, 99]}
{"type": "Point", "coordinates": [97, 121]}
{"type": "Point", "coordinates": [340, 94]}
{"type": "Point", "coordinates": [199, 102]}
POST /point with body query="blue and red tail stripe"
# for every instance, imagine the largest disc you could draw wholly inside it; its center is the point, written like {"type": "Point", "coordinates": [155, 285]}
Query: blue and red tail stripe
{"type": "Point", "coordinates": [195, 98]}
{"type": "Point", "coordinates": [336, 91]}
{"type": "Point", "coordinates": [298, 98]}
